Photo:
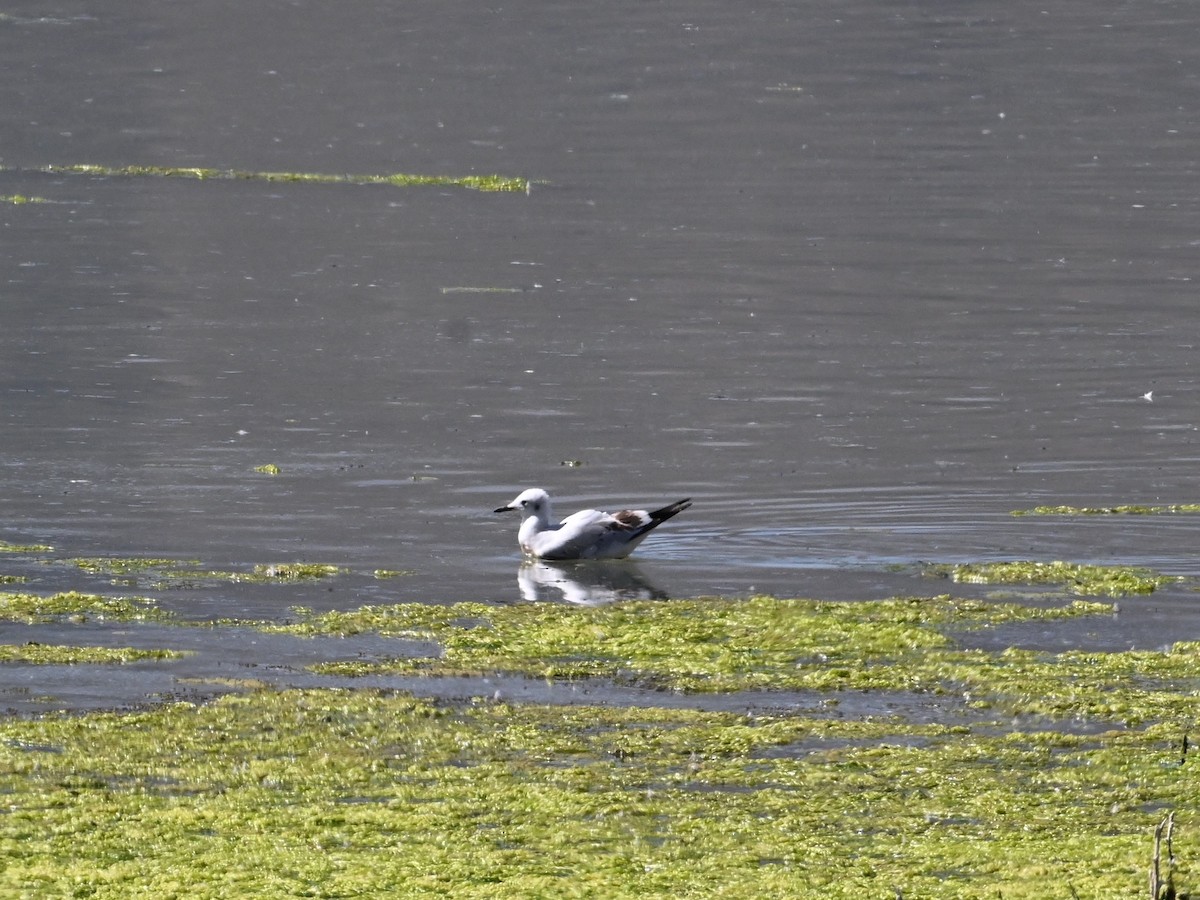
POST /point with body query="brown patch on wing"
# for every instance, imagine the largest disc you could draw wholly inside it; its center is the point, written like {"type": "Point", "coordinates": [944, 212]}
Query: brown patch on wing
{"type": "Point", "coordinates": [629, 519]}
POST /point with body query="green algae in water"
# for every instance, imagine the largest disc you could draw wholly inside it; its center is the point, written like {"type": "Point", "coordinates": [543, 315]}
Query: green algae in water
{"type": "Point", "coordinates": [1078, 578]}
{"type": "Point", "coordinates": [168, 573]}
{"type": "Point", "coordinates": [21, 199]}
{"type": "Point", "coordinates": [494, 183]}
{"type": "Point", "coordinates": [333, 793]}
{"type": "Point", "coordinates": [366, 793]}
{"type": "Point", "coordinates": [6, 547]}
{"type": "Point", "coordinates": [263, 573]}
{"type": "Point", "coordinates": [296, 571]}
{"type": "Point", "coordinates": [78, 607]}
{"type": "Point", "coordinates": [482, 290]}
{"type": "Point", "coordinates": [58, 655]}
{"type": "Point", "coordinates": [268, 469]}
{"type": "Point", "coordinates": [901, 644]}
{"type": "Point", "coordinates": [1128, 510]}
{"type": "Point", "coordinates": [113, 565]}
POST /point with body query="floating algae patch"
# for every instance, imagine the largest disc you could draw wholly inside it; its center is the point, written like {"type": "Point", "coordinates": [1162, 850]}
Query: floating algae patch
{"type": "Point", "coordinates": [59, 655]}
{"type": "Point", "coordinates": [74, 606]}
{"type": "Point", "coordinates": [263, 573]}
{"type": "Point", "coordinates": [296, 571]}
{"type": "Point", "coordinates": [1078, 578]}
{"type": "Point", "coordinates": [482, 290]}
{"type": "Point", "coordinates": [900, 644]}
{"type": "Point", "coordinates": [21, 199]}
{"type": "Point", "coordinates": [174, 573]}
{"type": "Point", "coordinates": [113, 565]}
{"type": "Point", "coordinates": [475, 182]}
{"type": "Point", "coordinates": [1128, 510]}
{"type": "Point", "coordinates": [25, 549]}
{"type": "Point", "coordinates": [339, 793]}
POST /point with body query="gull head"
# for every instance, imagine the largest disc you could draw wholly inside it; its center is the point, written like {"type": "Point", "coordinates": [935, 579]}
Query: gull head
{"type": "Point", "coordinates": [533, 502]}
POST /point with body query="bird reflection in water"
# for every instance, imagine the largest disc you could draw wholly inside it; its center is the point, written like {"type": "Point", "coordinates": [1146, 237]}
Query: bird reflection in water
{"type": "Point", "coordinates": [584, 583]}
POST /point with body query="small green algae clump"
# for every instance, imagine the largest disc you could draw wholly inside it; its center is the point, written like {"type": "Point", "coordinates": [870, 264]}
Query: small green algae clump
{"type": "Point", "coordinates": [1078, 578]}
{"type": "Point", "coordinates": [475, 182]}
{"type": "Point", "coordinates": [115, 565]}
{"type": "Point", "coordinates": [1127, 510]}
{"type": "Point", "coordinates": [21, 199]}
{"type": "Point", "coordinates": [59, 655]}
{"type": "Point", "coordinates": [73, 606]}
{"type": "Point", "coordinates": [177, 573]}
{"type": "Point", "coordinates": [295, 571]}
{"type": "Point", "coordinates": [6, 547]}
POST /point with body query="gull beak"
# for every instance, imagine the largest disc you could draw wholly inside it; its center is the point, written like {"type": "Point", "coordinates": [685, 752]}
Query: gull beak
{"type": "Point", "coordinates": [504, 509]}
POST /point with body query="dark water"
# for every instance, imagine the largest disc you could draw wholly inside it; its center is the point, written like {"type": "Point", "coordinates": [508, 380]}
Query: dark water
{"type": "Point", "coordinates": [861, 278]}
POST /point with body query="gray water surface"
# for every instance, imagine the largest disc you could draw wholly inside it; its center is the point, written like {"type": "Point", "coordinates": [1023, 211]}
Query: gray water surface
{"type": "Point", "coordinates": [861, 279]}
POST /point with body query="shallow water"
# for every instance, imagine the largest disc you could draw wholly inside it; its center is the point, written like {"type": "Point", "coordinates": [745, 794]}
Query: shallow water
{"type": "Point", "coordinates": [861, 280]}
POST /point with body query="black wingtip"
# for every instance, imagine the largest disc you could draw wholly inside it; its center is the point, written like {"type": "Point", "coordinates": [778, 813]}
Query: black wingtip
{"type": "Point", "coordinates": [661, 515]}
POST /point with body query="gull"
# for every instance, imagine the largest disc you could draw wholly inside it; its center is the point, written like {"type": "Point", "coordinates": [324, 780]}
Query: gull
{"type": "Point", "coordinates": [587, 534]}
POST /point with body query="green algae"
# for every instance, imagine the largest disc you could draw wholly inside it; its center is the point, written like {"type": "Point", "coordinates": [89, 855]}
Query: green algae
{"type": "Point", "coordinates": [296, 571]}
{"type": "Point", "coordinates": [74, 606]}
{"type": "Point", "coordinates": [262, 573]}
{"type": "Point", "coordinates": [909, 645]}
{"type": "Point", "coordinates": [58, 654]}
{"type": "Point", "coordinates": [132, 565]}
{"type": "Point", "coordinates": [1078, 578]}
{"type": "Point", "coordinates": [482, 290]}
{"type": "Point", "coordinates": [361, 793]}
{"type": "Point", "coordinates": [162, 573]}
{"type": "Point", "coordinates": [21, 199]}
{"type": "Point", "coordinates": [494, 183]}
{"type": "Point", "coordinates": [268, 469]}
{"type": "Point", "coordinates": [24, 549]}
{"type": "Point", "coordinates": [1053, 784]}
{"type": "Point", "coordinates": [1128, 510]}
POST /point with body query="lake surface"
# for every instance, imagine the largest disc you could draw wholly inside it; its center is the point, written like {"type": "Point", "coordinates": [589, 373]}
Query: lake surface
{"type": "Point", "coordinates": [860, 278]}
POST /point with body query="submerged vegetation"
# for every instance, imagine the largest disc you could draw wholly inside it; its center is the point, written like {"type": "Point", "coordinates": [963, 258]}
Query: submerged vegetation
{"type": "Point", "coordinates": [1128, 510]}
{"type": "Point", "coordinates": [61, 655]}
{"type": "Point", "coordinates": [362, 793]}
{"type": "Point", "coordinates": [475, 182]}
{"type": "Point", "coordinates": [1078, 578]}
{"type": "Point", "coordinates": [73, 606]}
{"type": "Point", "coordinates": [757, 747]}
{"type": "Point", "coordinates": [21, 199]}
{"type": "Point", "coordinates": [24, 549]}
{"type": "Point", "coordinates": [903, 647]}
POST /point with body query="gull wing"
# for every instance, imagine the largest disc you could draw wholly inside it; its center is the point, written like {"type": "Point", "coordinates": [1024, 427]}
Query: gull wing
{"type": "Point", "coordinates": [591, 534]}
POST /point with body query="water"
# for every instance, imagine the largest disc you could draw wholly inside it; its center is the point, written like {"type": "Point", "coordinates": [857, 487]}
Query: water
{"type": "Point", "coordinates": [861, 279]}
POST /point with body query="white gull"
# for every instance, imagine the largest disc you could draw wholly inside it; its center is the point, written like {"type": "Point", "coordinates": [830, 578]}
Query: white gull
{"type": "Point", "coordinates": [587, 534]}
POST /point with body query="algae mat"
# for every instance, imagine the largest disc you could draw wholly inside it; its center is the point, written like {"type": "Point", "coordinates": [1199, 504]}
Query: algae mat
{"type": "Point", "coordinates": [1054, 790]}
